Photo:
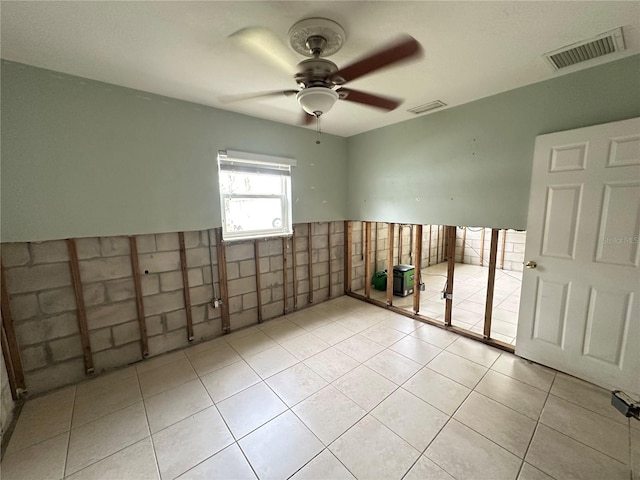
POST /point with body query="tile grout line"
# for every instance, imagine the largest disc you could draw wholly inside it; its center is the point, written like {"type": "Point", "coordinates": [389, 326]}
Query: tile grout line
{"type": "Point", "coordinates": [535, 430]}
{"type": "Point", "coordinates": [73, 406]}
{"type": "Point", "coordinates": [146, 414]}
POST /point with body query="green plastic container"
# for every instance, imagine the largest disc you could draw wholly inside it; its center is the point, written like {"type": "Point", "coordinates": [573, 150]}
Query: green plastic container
{"type": "Point", "coordinates": [379, 280]}
{"type": "Point", "coordinates": [403, 280]}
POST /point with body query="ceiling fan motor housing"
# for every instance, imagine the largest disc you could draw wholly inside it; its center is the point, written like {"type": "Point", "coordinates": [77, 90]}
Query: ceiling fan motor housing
{"type": "Point", "coordinates": [315, 72]}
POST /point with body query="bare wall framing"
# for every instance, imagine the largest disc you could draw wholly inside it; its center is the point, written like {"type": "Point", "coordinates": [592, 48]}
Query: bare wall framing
{"type": "Point", "coordinates": [80, 308]}
{"type": "Point", "coordinates": [446, 252]}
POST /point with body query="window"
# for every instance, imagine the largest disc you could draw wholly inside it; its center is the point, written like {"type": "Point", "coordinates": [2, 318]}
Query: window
{"type": "Point", "coordinates": [255, 195]}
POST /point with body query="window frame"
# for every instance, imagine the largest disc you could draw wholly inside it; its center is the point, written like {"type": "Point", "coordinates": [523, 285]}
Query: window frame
{"type": "Point", "coordinates": [244, 163]}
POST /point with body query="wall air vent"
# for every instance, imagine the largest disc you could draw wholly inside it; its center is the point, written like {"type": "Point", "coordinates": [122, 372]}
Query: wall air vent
{"type": "Point", "coordinates": [603, 44]}
{"type": "Point", "coordinates": [427, 107]}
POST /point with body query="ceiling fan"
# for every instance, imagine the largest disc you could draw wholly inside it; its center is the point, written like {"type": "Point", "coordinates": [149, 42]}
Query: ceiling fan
{"type": "Point", "coordinates": [320, 81]}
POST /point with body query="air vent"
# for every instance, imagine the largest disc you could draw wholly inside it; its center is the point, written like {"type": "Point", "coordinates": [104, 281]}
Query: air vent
{"type": "Point", "coordinates": [584, 51]}
{"type": "Point", "coordinates": [427, 107]}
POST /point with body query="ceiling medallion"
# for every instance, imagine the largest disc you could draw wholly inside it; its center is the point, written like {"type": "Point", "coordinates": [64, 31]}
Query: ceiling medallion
{"type": "Point", "coordinates": [331, 31]}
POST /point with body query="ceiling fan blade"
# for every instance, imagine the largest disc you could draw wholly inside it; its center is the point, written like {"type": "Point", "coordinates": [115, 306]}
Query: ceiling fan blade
{"type": "Point", "coordinates": [403, 49]}
{"type": "Point", "coordinates": [264, 43]}
{"type": "Point", "coordinates": [377, 101]}
{"type": "Point", "coordinates": [250, 96]}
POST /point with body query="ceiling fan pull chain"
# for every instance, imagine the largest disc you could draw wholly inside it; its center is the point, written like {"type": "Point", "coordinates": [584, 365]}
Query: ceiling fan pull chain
{"type": "Point", "coordinates": [318, 130]}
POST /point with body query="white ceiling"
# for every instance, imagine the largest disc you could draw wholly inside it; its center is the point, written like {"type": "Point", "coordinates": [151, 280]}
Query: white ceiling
{"type": "Point", "coordinates": [180, 49]}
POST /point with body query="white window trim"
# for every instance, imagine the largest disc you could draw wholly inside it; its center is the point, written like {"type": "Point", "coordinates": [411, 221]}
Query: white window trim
{"type": "Point", "coordinates": [280, 166]}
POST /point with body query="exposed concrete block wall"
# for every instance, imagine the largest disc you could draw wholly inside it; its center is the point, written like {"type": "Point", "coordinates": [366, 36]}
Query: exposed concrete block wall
{"type": "Point", "coordinates": [436, 255]}
{"type": "Point", "coordinates": [44, 308]}
{"type": "Point", "coordinates": [6, 401]}
{"type": "Point", "coordinates": [379, 248]}
{"type": "Point", "coordinates": [513, 251]}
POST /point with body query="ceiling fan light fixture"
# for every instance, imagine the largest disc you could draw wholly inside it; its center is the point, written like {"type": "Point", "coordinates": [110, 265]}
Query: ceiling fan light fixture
{"type": "Point", "coordinates": [317, 100]}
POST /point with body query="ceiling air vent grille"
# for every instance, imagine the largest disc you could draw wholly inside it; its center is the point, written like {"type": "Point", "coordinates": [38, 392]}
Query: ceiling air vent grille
{"type": "Point", "coordinates": [427, 107]}
{"type": "Point", "coordinates": [603, 44]}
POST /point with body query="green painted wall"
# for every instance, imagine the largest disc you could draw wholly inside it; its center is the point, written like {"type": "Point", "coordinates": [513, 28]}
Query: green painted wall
{"type": "Point", "coordinates": [85, 158]}
{"type": "Point", "coordinates": [471, 165]}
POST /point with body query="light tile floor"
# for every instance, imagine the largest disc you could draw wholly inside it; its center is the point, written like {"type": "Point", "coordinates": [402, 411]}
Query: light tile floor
{"type": "Point", "coordinates": [341, 390]}
{"type": "Point", "coordinates": [469, 293]}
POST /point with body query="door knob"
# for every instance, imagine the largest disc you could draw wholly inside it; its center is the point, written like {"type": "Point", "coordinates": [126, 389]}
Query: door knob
{"type": "Point", "coordinates": [531, 264]}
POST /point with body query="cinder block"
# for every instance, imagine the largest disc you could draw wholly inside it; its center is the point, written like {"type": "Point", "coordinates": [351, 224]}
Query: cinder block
{"type": "Point", "coordinates": [241, 286]}
{"type": "Point", "coordinates": [146, 243]}
{"type": "Point", "coordinates": [15, 254]}
{"type": "Point", "coordinates": [58, 300]}
{"type": "Point", "coordinates": [277, 293]}
{"type": "Point", "coordinates": [213, 313]}
{"type": "Point", "coordinates": [118, 290]}
{"type": "Point", "coordinates": [249, 300]}
{"type": "Point", "coordinates": [302, 272]}
{"type": "Point", "coordinates": [323, 256]}
{"type": "Point", "coordinates": [32, 358]}
{"type": "Point", "coordinates": [50, 252]}
{"type": "Point", "coordinates": [273, 310]}
{"type": "Point", "coordinates": [126, 333]}
{"type": "Point", "coordinates": [41, 330]}
{"type": "Point", "coordinates": [163, 302]}
{"type": "Point", "coordinates": [321, 295]}
{"type": "Point", "coordinates": [24, 307]}
{"type": "Point", "coordinates": [88, 247]}
{"type": "Point", "coordinates": [207, 330]}
{"type": "Point", "coordinates": [233, 270]}
{"type": "Point", "coordinates": [206, 274]}
{"type": "Point", "coordinates": [200, 295]}
{"type": "Point", "coordinates": [114, 246]}
{"type": "Point", "coordinates": [271, 279]}
{"type": "Point", "coordinates": [264, 264]}
{"type": "Point", "coordinates": [195, 277]}
{"type": "Point", "coordinates": [150, 284]}
{"type": "Point", "coordinates": [235, 304]}
{"type": "Point", "coordinates": [323, 281]}
{"type": "Point", "coordinates": [265, 296]}
{"type": "Point", "coordinates": [176, 319]}
{"type": "Point", "coordinates": [199, 313]}
{"type": "Point", "coordinates": [168, 342]}
{"type": "Point", "coordinates": [302, 258]}
{"type": "Point", "coordinates": [247, 268]}
{"type": "Point", "coordinates": [159, 262]}
{"type": "Point", "coordinates": [337, 239]}
{"type": "Point", "coordinates": [93, 294]}
{"type": "Point", "coordinates": [117, 357]}
{"type": "Point", "coordinates": [154, 325]}
{"type": "Point", "coordinates": [54, 376]}
{"type": "Point", "coordinates": [338, 226]}
{"type": "Point", "coordinates": [199, 257]}
{"type": "Point", "coordinates": [36, 278]}
{"type": "Point", "coordinates": [303, 287]}
{"type": "Point", "coordinates": [100, 269]}
{"type": "Point", "coordinates": [270, 247]}
{"type": "Point", "coordinates": [320, 241]}
{"type": "Point", "coordinates": [239, 251]}
{"type": "Point", "coordinates": [170, 281]}
{"type": "Point", "coordinates": [204, 237]}
{"type": "Point", "coordinates": [167, 241]}
{"type": "Point", "coordinates": [100, 339]}
{"type": "Point", "coordinates": [517, 247]}
{"type": "Point", "coordinates": [244, 318]}
{"type": "Point", "coordinates": [276, 263]}
{"type": "Point", "coordinates": [65, 348]}
{"type": "Point", "coordinates": [111, 314]}
{"type": "Point", "coordinates": [301, 244]}
{"type": "Point", "coordinates": [192, 239]}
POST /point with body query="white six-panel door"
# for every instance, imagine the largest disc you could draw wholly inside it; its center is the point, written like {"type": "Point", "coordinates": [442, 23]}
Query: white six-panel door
{"type": "Point", "coordinates": [579, 309]}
